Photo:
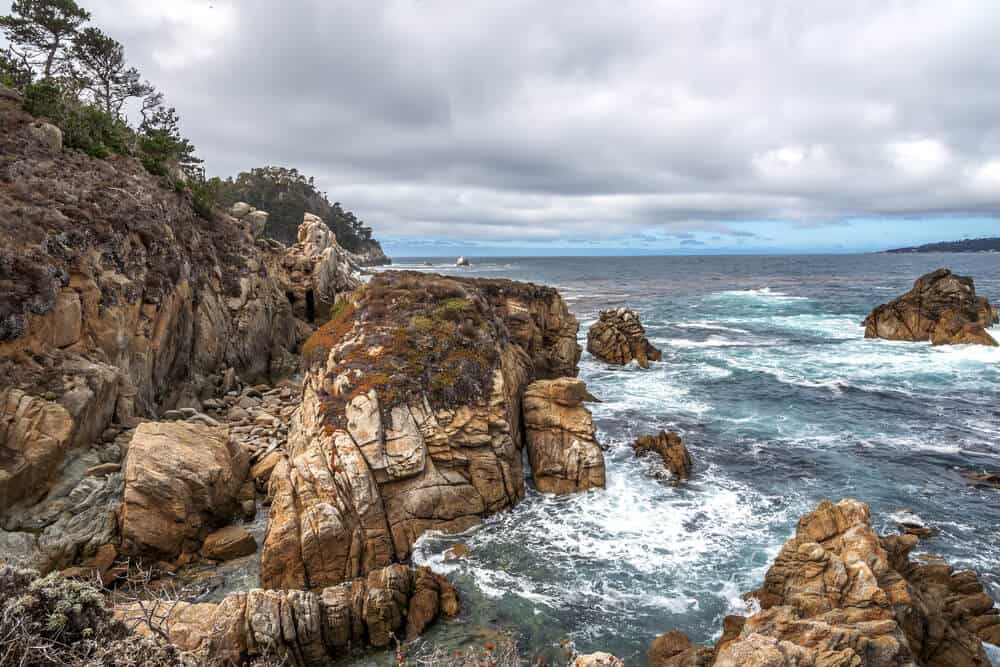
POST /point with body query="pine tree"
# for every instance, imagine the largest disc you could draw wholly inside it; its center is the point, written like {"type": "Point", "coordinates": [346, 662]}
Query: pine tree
{"type": "Point", "coordinates": [42, 30]}
{"type": "Point", "coordinates": [100, 68]}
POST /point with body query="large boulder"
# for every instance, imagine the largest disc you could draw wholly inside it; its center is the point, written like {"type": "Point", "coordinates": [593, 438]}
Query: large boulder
{"type": "Point", "coordinates": [671, 450]}
{"type": "Point", "coordinates": [617, 337]}
{"type": "Point", "coordinates": [410, 421]}
{"type": "Point", "coordinates": [941, 308]}
{"type": "Point", "coordinates": [182, 480]}
{"type": "Point", "coordinates": [34, 434]}
{"type": "Point", "coordinates": [838, 594]}
{"type": "Point", "coordinates": [562, 447]}
{"type": "Point", "coordinates": [306, 628]}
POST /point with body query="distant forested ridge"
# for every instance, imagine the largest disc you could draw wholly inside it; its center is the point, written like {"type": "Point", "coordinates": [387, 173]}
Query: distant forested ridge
{"type": "Point", "coordinates": [286, 194]}
{"type": "Point", "coordinates": [966, 245]}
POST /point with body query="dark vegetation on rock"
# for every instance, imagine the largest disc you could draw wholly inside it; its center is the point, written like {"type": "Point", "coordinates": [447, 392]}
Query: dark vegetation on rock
{"type": "Point", "coordinates": [430, 335]}
{"type": "Point", "coordinates": [52, 621]}
{"type": "Point", "coordinates": [287, 195]}
{"type": "Point", "coordinates": [965, 245]}
{"type": "Point", "coordinates": [942, 308]}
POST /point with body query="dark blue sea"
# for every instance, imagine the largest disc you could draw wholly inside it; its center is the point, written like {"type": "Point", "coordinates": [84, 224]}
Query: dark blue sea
{"type": "Point", "coordinates": [782, 402]}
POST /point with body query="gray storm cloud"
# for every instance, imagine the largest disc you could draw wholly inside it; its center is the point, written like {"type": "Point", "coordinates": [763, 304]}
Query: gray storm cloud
{"type": "Point", "coordinates": [542, 120]}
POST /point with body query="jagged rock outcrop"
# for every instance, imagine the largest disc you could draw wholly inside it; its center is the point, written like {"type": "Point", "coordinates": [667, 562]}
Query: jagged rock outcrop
{"type": "Point", "coordinates": [838, 594]}
{"type": "Point", "coordinates": [670, 448]}
{"type": "Point", "coordinates": [182, 481]}
{"type": "Point", "coordinates": [562, 447]}
{"type": "Point", "coordinates": [308, 628]}
{"type": "Point", "coordinates": [319, 270]}
{"type": "Point", "coordinates": [118, 303]}
{"type": "Point", "coordinates": [617, 337]}
{"type": "Point", "coordinates": [941, 308]}
{"type": "Point", "coordinates": [410, 420]}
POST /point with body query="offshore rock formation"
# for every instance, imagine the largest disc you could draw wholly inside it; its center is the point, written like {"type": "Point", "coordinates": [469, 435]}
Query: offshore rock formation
{"type": "Point", "coordinates": [941, 308]}
{"type": "Point", "coordinates": [618, 337]}
{"type": "Point", "coordinates": [675, 456]}
{"type": "Point", "coordinates": [410, 420]}
{"type": "Point", "coordinates": [838, 594]}
{"type": "Point", "coordinates": [562, 447]}
{"type": "Point", "coordinates": [307, 628]}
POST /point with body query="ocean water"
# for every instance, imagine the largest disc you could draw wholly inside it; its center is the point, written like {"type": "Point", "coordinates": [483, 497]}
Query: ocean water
{"type": "Point", "coordinates": [782, 402]}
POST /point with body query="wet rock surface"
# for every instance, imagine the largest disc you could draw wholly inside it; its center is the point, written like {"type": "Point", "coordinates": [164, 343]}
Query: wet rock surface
{"type": "Point", "coordinates": [942, 308]}
{"type": "Point", "coordinates": [619, 338]}
{"type": "Point", "coordinates": [562, 446]}
{"type": "Point", "coordinates": [839, 594]}
{"type": "Point", "coordinates": [671, 450]}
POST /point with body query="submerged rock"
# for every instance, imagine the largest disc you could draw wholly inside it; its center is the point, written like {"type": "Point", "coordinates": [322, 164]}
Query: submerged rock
{"type": "Point", "coordinates": [941, 308]}
{"type": "Point", "coordinates": [562, 447]}
{"type": "Point", "coordinates": [671, 449]}
{"type": "Point", "coordinates": [838, 594]}
{"type": "Point", "coordinates": [618, 337]}
{"type": "Point", "coordinates": [306, 628]}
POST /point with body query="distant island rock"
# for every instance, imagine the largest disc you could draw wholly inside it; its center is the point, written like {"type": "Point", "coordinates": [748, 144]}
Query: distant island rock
{"type": "Point", "coordinates": [966, 245]}
{"type": "Point", "coordinates": [941, 308]}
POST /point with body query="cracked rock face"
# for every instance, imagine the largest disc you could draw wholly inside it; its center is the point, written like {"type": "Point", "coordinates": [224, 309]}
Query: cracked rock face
{"type": "Point", "coordinates": [941, 308]}
{"type": "Point", "coordinates": [308, 628]}
{"type": "Point", "coordinates": [670, 448]}
{"type": "Point", "coordinates": [410, 421]}
{"type": "Point", "coordinates": [562, 447]}
{"type": "Point", "coordinates": [182, 480]}
{"type": "Point", "coordinates": [618, 338]}
{"type": "Point", "coordinates": [838, 594]}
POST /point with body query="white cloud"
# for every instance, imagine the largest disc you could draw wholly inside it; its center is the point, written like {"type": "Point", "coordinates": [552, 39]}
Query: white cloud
{"type": "Point", "coordinates": [531, 119]}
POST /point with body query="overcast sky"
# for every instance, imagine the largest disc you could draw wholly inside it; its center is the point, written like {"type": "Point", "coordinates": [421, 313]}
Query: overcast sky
{"type": "Point", "coordinates": [627, 124]}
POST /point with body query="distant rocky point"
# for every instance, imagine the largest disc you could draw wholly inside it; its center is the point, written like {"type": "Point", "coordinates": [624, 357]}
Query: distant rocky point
{"type": "Point", "coordinates": [965, 245]}
{"type": "Point", "coordinates": [941, 308]}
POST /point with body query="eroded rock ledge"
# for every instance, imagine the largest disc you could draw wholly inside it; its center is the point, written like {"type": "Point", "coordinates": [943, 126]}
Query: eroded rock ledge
{"type": "Point", "coordinates": [941, 308]}
{"type": "Point", "coordinates": [306, 628]}
{"type": "Point", "coordinates": [411, 419]}
{"type": "Point", "coordinates": [838, 595]}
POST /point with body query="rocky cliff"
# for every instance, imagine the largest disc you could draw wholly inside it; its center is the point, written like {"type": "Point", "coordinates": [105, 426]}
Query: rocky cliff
{"type": "Point", "coordinates": [117, 303]}
{"type": "Point", "coordinates": [411, 419]}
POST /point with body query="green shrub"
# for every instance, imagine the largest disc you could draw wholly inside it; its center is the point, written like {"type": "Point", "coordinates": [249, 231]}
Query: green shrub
{"type": "Point", "coordinates": [84, 126]}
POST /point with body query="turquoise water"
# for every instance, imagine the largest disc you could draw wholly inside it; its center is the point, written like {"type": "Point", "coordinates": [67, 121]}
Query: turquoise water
{"type": "Point", "coordinates": [782, 402]}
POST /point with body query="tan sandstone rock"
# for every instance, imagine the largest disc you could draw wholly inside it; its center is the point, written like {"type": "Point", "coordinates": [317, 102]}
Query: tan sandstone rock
{"type": "Point", "coordinates": [182, 480]}
{"type": "Point", "coordinates": [618, 337]}
{"type": "Point", "coordinates": [410, 421]}
{"type": "Point", "coordinates": [839, 595]}
{"type": "Point", "coordinates": [228, 543]}
{"type": "Point", "coordinates": [562, 448]}
{"type": "Point", "coordinates": [941, 308]}
{"type": "Point", "coordinates": [34, 434]}
{"type": "Point", "coordinates": [308, 628]}
{"type": "Point", "coordinates": [671, 450]}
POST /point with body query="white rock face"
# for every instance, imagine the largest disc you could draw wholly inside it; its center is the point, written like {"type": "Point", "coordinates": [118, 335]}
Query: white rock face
{"type": "Point", "coordinates": [240, 210]}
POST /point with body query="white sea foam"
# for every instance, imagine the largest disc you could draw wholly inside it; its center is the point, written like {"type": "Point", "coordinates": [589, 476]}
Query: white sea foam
{"type": "Point", "coordinates": [761, 294]}
{"type": "Point", "coordinates": [708, 326]}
